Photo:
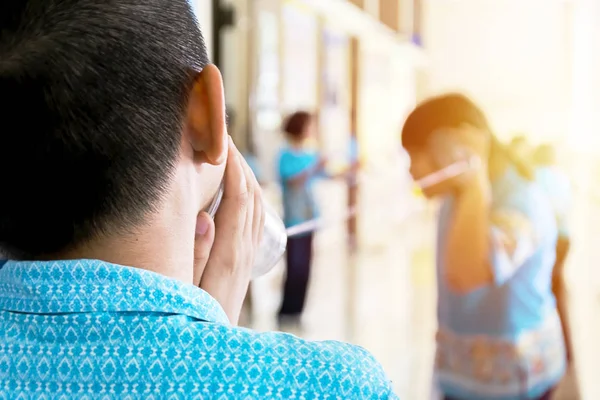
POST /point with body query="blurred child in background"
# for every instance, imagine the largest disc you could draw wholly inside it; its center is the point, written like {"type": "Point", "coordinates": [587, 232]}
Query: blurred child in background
{"type": "Point", "coordinates": [499, 334]}
{"type": "Point", "coordinates": [299, 168]}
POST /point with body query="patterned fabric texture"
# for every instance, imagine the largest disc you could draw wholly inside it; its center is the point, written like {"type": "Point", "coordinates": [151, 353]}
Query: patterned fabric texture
{"type": "Point", "coordinates": [91, 330]}
{"type": "Point", "coordinates": [495, 366]}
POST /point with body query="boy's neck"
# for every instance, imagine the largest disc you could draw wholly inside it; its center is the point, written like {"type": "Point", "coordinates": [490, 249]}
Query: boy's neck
{"type": "Point", "coordinates": [164, 244]}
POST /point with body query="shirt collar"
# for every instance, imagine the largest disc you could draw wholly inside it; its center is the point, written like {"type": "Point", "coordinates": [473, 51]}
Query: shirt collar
{"type": "Point", "coordinates": [84, 286]}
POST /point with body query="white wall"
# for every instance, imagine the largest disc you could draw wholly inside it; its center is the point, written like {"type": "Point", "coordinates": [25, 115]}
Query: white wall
{"type": "Point", "coordinates": [586, 79]}
{"type": "Point", "coordinates": [512, 56]}
{"type": "Point", "coordinates": [236, 66]}
{"type": "Point", "coordinates": [203, 10]}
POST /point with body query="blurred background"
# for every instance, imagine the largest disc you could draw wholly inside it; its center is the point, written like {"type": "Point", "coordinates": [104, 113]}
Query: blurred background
{"type": "Point", "coordinates": [360, 66]}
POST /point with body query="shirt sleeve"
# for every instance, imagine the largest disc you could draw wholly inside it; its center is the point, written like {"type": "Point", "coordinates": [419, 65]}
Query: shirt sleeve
{"type": "Point", "coordinates": [291, 165]}
{"type": "Point", "coordinates": [331, 369]}
{"type": "Point", "coordinates": [557, 185]}
{"type": "Point", "coordinates": [520, 225]}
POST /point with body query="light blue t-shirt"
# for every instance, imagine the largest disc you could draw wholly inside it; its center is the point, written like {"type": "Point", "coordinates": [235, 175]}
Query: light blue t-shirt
{"type": "Point", "coordinates": [91, 330]}
{"type": "Point", "coordinates": [299, 204]}
{"type": "Point", "coordinates": [504, 341]}
{"type": "Point", "coordinates": [557, 186]}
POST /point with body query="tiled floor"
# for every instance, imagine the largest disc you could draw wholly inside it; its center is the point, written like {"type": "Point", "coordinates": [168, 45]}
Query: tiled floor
{"type": "Point", "coordinates": [384, 297]}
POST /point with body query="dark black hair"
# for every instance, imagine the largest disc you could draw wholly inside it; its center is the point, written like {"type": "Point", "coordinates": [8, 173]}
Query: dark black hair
{"type": "Point", "coordinates": [451, 111]}
{"type": "Point", "coordinates": [296, 124]}
{"type": "Point", "coordinates": [447, 111]}
{"type": "Point", "coordinates": [93, 95]}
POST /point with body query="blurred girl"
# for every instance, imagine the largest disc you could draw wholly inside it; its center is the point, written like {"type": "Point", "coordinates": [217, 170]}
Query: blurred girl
{"type": "Point", "coordinates": [299, 167]}
{"type": "Point", "coordinates": [499, 332]}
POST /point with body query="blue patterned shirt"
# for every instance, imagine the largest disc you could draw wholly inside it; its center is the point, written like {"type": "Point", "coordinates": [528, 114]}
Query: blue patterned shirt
{"type": "Point", "coordinates": [87, 329]}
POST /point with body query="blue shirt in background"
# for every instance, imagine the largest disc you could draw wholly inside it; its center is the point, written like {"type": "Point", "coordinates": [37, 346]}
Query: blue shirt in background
{"type": "Point", "coordinates": [504, 341]}
{"type": "Point", "coordinates": [557, 186]}
{"type": "Point", "coordinates": [88, 329]}
{"type": "Point", "coordinates": [299, 204]}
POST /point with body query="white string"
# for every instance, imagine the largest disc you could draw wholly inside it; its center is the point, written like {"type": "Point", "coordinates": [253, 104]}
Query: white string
{"type": "Point", "coordinates": [451, 171]}
{"type": "Point", "coordinates": [318, 223]}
